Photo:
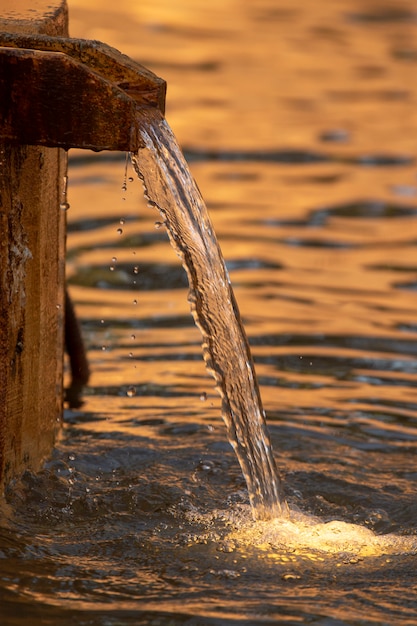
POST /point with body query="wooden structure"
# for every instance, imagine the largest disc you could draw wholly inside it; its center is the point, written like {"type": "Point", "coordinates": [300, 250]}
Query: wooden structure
{"type": "Point", "coordinates": [32, 258]}
{"type": "Point", "coordinates": [55, 93]}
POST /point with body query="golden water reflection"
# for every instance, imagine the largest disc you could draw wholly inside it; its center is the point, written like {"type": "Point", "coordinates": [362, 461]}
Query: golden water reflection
{"type": "Point", "coordinates": [299, 123]}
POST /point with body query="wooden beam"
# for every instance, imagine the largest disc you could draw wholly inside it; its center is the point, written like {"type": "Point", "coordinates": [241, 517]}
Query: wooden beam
{"type": "Point", "coordinates": [82, 94]}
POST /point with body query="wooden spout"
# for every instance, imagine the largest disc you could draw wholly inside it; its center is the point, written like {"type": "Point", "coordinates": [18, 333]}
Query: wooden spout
{"type": "Point", "coordinates": [73, 93]}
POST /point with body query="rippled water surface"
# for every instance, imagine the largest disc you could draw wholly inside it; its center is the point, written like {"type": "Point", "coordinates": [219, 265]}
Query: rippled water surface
{"type": "Point", "coordinates": [299, 123]}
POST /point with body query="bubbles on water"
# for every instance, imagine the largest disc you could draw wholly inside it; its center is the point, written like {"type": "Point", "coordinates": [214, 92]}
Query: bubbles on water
{"type": "Point", "coordinates": [206, 466]}
{"type": "Point", "coordinates": [376, 517]}
{"type": "Point", "coordinates": [225, 573]}
{"type": "Point", "coordinates": [305, 533]}
{"type": "Point", "coordinates": [291, 576]}
{"type": "Point", "coordinates": [298, 538]}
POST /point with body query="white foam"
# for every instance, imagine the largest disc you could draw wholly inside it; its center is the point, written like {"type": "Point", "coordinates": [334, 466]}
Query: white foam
{"type": "Point", "coordinates": [304, 534]}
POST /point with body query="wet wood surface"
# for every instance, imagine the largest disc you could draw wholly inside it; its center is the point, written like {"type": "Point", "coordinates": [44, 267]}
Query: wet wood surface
{"type": "Point", "coordinates": [94, 106]}
{"type": "Point", "coordinates": [32, 257]}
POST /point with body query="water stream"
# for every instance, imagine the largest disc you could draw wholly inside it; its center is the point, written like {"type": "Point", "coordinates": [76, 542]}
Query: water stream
{"type": "Point", "coordinates": [170, 187]}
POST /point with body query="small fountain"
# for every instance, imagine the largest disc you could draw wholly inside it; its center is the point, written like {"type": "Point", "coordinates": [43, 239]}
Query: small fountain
{"type": "Point", "coordinates": [119, 106]}
{"type": "Point", "coordinates": [138, 516]}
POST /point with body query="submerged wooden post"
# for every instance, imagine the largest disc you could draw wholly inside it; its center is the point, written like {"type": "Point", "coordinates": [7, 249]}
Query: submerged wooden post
{"type": "Point", "coordinates": [32, 258]}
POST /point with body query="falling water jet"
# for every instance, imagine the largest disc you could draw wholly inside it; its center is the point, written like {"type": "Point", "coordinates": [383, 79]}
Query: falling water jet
{"type": "Point", "coordinates": [170, 187]}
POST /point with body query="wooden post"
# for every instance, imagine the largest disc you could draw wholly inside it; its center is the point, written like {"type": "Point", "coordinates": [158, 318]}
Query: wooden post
{"type": "Point", "coordinates": [54, 91]}
{"type": "Point", "coordinates": [32, 267]}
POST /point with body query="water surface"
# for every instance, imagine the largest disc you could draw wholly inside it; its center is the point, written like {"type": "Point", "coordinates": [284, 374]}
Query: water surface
{"type": "Point", "coordinates": [299, 124]}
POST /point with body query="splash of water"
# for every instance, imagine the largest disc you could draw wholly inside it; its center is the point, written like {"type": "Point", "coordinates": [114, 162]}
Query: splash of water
{"type": "Point", "coordinates": [297, 539]}
{"type": "Point", "coordinates": [170, 187]}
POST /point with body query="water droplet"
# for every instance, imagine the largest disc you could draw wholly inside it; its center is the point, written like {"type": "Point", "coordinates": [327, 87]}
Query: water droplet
{"type": "Point", "coordinates": [111, 268]}
{"type": "Point", "coordinates": [133, 336]}
{"type": "Point", "coordinates": [136, 269]}
{"type": "Point", "coordinates": [130, 179]}
{"type": "Point", "coordinates": [124, 186]}
{"type": "Point", "coordinates": [101, 321]}
{"type": "Point", "coordinates": [122, 220]}
{"type": "Point", "coordinates": [135, 301]}
{"type": "Point", "coordinates": [58, 306]}
{"type": "Point", "coordinates": [64, 204]}
{"type": "Point", "coordinates": [119, 231]}
{"type": "Point", "coordinates": [335, 134]}
{"type": "Point", "coordinates": [114, 259]}
{"type": "Point", "coordinates": [103, 348]}
{"type": "Point", "coordinates": [130, 355]}
{"type": "Point", "coordinates": [203, 396]}
{"type": "Point", "coordinates": [71, 457]}
{"type": "Point", "coordinates": [131, 391]}
{"type": "Point", "coordinates": [158, 225]}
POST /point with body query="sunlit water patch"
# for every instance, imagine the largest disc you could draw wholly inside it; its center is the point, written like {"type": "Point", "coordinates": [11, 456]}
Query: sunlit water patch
{"type": "Point", "coordinates": [302, 533]}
